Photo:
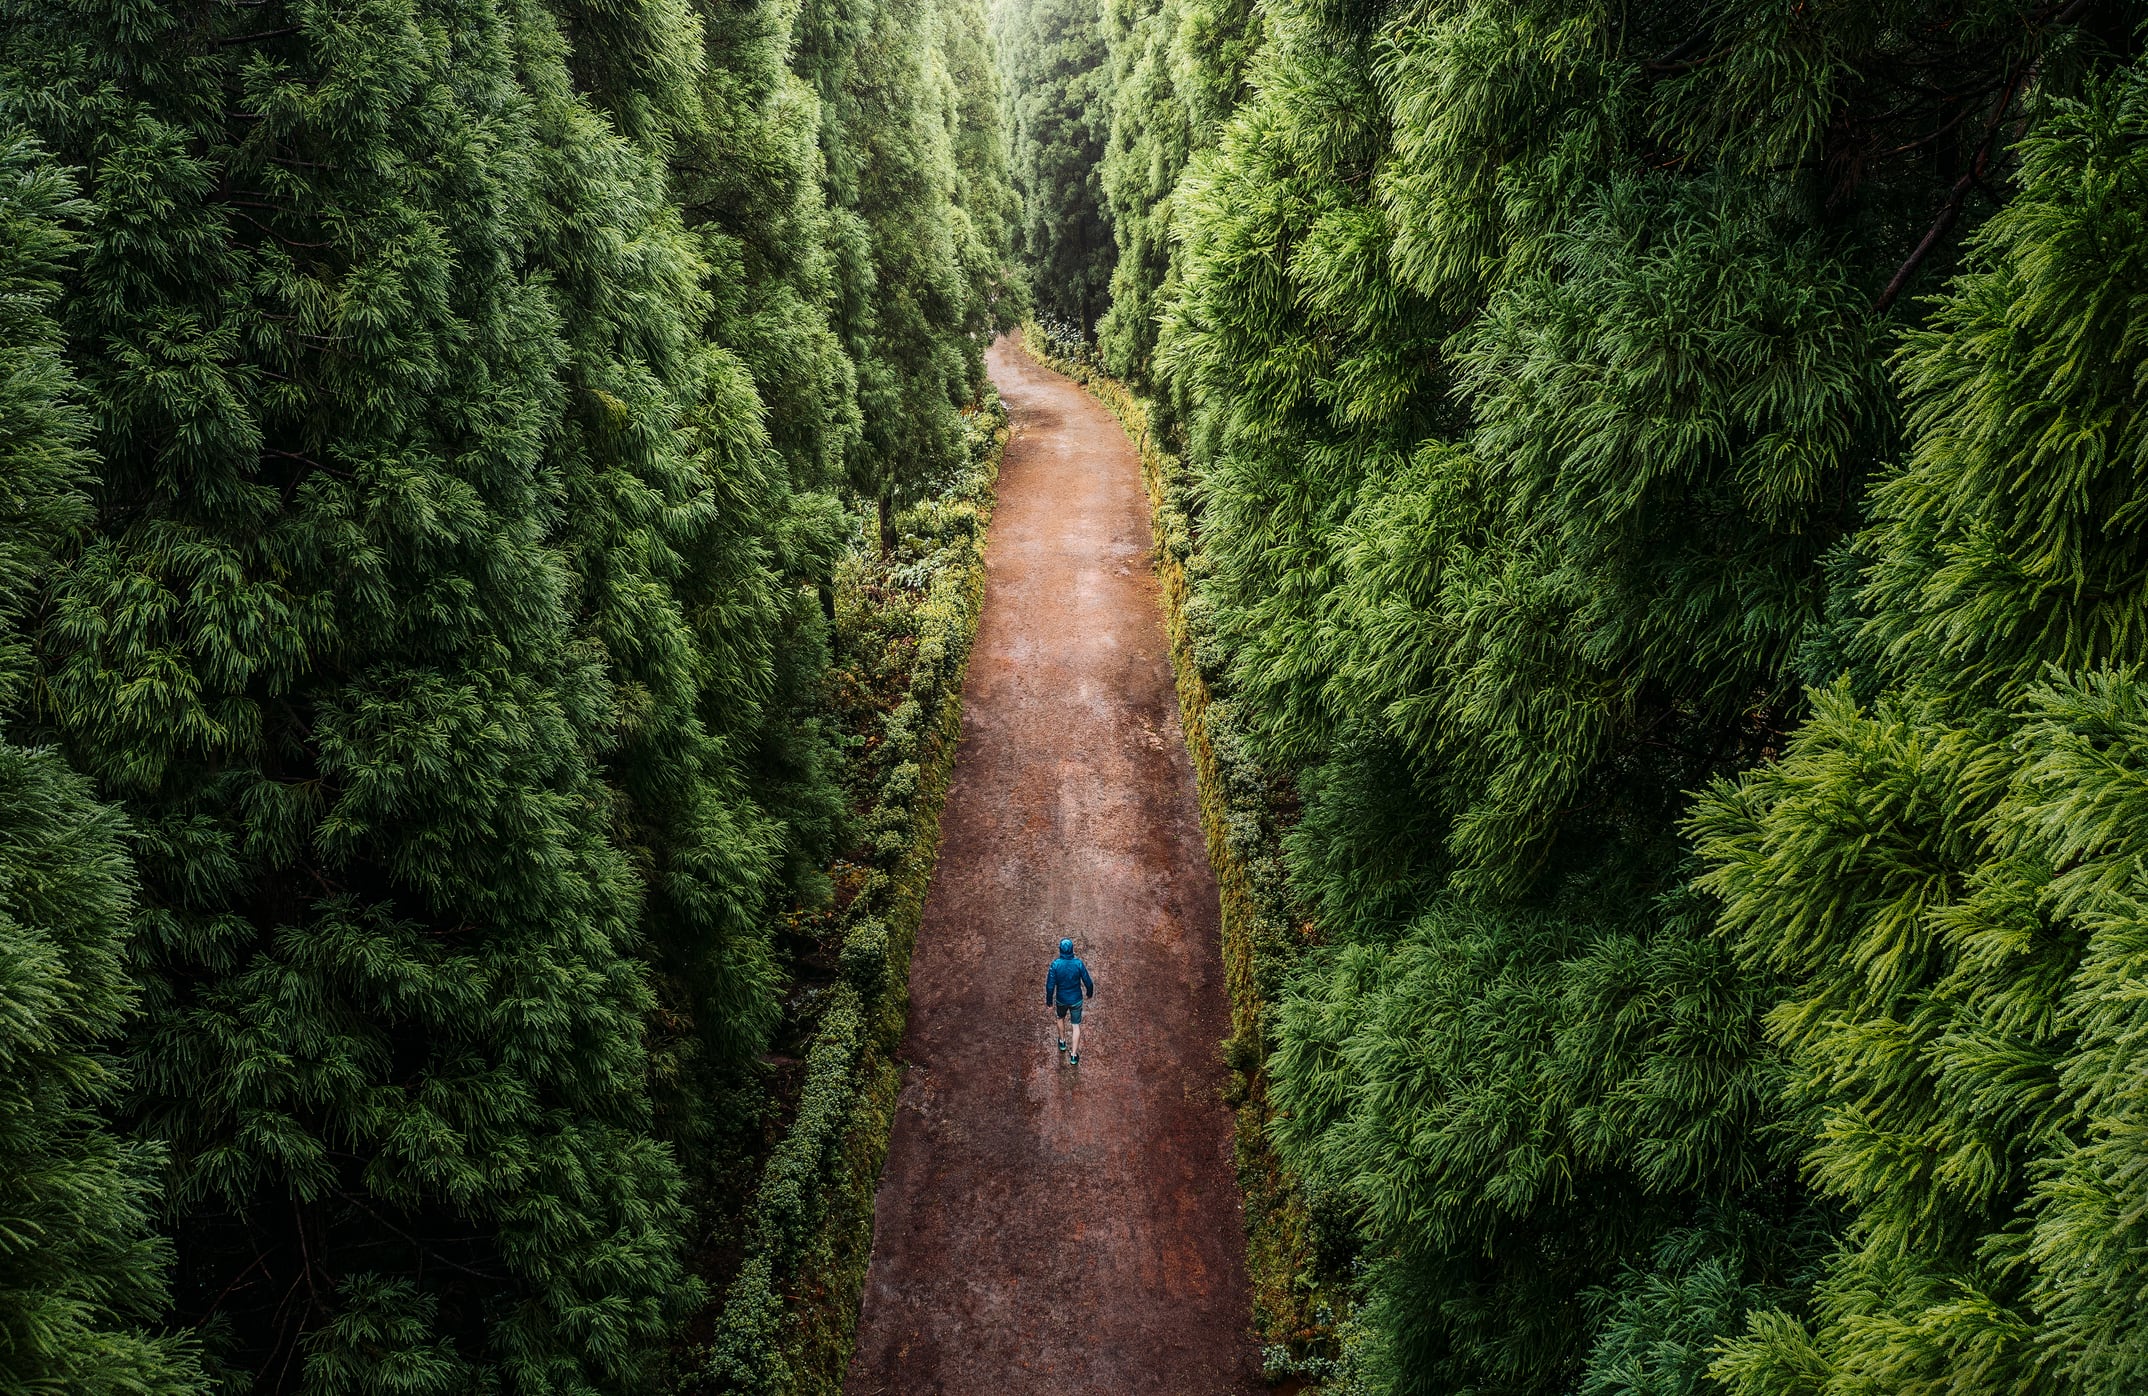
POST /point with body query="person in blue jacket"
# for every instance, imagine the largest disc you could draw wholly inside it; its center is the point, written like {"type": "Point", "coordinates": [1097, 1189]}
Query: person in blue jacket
{"type": "Point", "coordinates": [1066, 986]}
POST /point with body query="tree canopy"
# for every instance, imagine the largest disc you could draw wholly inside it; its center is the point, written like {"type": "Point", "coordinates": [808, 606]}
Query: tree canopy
{"type": "Point", "coordinates": [429, 436]}
{"type": "Point", "coordinates": [1646, 465]}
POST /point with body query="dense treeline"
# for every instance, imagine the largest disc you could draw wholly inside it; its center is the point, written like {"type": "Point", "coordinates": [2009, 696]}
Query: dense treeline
{"type": "Point", "coordinates": [430, 431]}
{"type": "Point", "coordinates": [1177, 69]}
{"type": "Point", "coordinates": [1942, 868]}
{"type": "Point", "coordinates": [81, 1273]}
{"type": "Point", "coordinates": [1667, 503]}
{"type": "Point", "coordinates": [1666, 486]}
{"type": "Point", "coordinates": [1053, 56]}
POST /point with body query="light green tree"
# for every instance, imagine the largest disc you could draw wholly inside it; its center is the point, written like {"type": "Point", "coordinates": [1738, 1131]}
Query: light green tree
{"type": "Point", "coordinates": [1530, 359]}
{"type": "Point", "coordinates": [1176, 71]}
{"type": "Point", "coordinates": [1943, 867]}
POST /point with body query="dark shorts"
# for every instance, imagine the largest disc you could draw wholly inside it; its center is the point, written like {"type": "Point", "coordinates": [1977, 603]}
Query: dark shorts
{"type": "Point", "coordinates": [1069, 1011]}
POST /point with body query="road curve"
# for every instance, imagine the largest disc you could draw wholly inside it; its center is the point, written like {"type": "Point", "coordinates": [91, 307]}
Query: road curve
{"type": "Point", "coordinates": [1035, 1221]}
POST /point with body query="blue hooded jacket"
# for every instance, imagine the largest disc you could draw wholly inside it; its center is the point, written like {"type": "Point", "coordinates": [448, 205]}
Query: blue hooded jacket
{"type": "Point", "coordinates": [1068, 981]}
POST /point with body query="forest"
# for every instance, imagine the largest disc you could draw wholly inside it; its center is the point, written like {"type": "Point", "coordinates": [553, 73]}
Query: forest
{"type": "Point", "coordinates": [492, 498]}
{"type": "Point", "coordinates": [1661, 491]}
{"type": "Point", "coordinates": [479, 483]}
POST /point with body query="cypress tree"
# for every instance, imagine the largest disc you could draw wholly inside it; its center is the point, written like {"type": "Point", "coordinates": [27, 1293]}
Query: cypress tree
{"type": "Point", "coordinates": [1531, 359]}
{"type": "Point", "coordinates": [751, 175]}
{"type": "Point", "coordinates": [908, 308]}
{"type": "Point", "coordinates": [474, 380]}
{"type": "Point", "coordinates": [1058, 119]}
{"type": "Point", "coordinates": [673, 496]}
{"type": "Point", "coordinates": [769, 178]}
{"type": "Point", "coordinates": [984, 188]}
{"type": "Point", "coordinates": [1177, 70]}
{"type": "Point", "coordinates": [1942, 868]}
{"type": "Point", "coordinates": [322, 653]}
{"type": "Point", "coordinates": [82, 1278]}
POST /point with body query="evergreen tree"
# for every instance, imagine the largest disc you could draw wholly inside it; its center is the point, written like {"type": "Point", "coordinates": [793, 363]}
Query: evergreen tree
{"type": "Point", "coordinates": [674, 501]}
{"type": "Point", "coordinates": [474, 380]}
{"type": "Point", "coordinates": [1177, 70]}
{"type": "Point", "coordinates": [321, 650]}
{"type": "Point", "coordinates": [82, 1278]}
{"type": "Point", "coordinates": [750, 174]}
{"type": "Point", "coordinates": [1943, 868]}
{"type": "Point", "coordinates": [1058, 119]}
{"type": "Point", "coordinates": [984, 188]}
{"type": "Point", "coordinates": [1531, 357]}
{"type": "Point", "coordinates": [909, 307]}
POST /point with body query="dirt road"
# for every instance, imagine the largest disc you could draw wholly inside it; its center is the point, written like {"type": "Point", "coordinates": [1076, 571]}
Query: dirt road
{"type": "Point", "coordinates": [1074, 1226]}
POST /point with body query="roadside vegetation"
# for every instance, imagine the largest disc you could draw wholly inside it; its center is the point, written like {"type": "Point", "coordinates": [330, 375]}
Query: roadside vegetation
{"type": "Point", "coordinates": [464, 467]}
{"type": "Point", "coordinates": [1658, 499]}
{"type": "Point", "coordinates": [492, 499]}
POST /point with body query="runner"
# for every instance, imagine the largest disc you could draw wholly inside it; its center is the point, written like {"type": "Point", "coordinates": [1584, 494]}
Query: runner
{"type": "Point", "coordinates": [1066, 985]}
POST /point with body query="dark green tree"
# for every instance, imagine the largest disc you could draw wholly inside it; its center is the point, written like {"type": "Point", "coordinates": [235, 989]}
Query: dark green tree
{"type": "Point", "coordinates": [82, 1276]}
{"type": "Point", "coordinates": [751, 174]}
{"type": "Point", "coordinates": [677, 507]}
{"type": "Point", "coordinates": [1058, 119]}
{"type": "Point", "coordinates": [984, 188]}
{"type": "Point", "coordinates": [475, 380]}
{"type": "Point", "coordinates": [322, 649]}
{"type": "Point", "coordinates": [915, 272]}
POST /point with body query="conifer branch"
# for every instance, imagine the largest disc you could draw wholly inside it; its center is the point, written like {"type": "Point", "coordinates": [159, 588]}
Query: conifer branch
{"type": "Point", "coordinates": [1956, 196]}
{"type": "Point", "coordinates": [230, 40]}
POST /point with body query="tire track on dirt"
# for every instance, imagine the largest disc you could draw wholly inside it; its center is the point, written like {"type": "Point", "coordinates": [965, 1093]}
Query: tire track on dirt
{"type": "Point", "coordinates": [1079, 1225]}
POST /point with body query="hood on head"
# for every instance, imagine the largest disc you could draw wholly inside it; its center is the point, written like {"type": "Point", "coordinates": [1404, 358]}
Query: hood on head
{"type": "Point", "coordinates": [1066, 947]}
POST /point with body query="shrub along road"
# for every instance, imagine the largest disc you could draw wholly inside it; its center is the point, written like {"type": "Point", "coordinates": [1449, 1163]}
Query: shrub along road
{"type": "Point", "coordinates": [1039, 1221]}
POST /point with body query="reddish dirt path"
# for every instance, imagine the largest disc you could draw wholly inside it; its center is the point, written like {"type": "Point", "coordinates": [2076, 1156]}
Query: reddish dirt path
{"type": "Point", "coordinates": [1078, 1225]}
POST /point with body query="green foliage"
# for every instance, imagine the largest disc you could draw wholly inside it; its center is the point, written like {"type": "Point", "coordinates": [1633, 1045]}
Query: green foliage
{"type": "Point", "coordinates": [919, 273]}
{"type": "Point", "coordinates": [321, 649]}
{"type": "Point", "coordinates": [82, 1277]}
{"type": "Point", "coordinates": [751, 178]}
{"type": "Point", "coordinates": [1531, 362]}
{"type": "Point", "coordinates": [1659, 1324]}
{"type": "Point", "coordinates": [1945, 876]}
{"type": "Point", "coordinates": [1514, 1106]}
{"type": "Point", "coordinates": [682, 534]}
{"type": "Point", "coordinates": [789, 1208]}
{"type": "Point", "coordinates": [904, 624]}
{"type": "Point", "coordinates": [1057, 121]}
{"type": "Point", "coordinates": [42, 424]}
{"type": "Point", "coordinates": [473, 382]}
{"type": "Point", "coordinates": [1176, 71]}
